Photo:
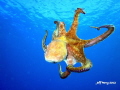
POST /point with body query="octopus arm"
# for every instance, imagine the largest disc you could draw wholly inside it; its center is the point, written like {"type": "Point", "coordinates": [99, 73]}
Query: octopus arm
{"type": "Point", "coordinates": [85, 67]}
{"type": "Point", "coordinates": [65, 74]}
{"type": "Point", "coordinates": [79, 56]}
{"type": "Point", "coordinates": [56, 32]}
{"type": "Point", "coordinates": [96, 40]}
{"type": "Point", "coordinates": [44, 40]}
{"type": "Point", "coordinates": [60, 29]}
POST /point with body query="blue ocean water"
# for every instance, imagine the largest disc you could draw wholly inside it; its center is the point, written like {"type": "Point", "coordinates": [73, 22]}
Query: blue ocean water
{"type": "Point", "coordinates": [22, 27]}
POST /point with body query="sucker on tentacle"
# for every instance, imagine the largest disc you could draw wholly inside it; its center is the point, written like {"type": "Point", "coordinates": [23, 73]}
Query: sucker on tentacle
{"type": "Point", "coordinates": [83, 68]}
{"type": "Point", "coordinates": [44, 40]}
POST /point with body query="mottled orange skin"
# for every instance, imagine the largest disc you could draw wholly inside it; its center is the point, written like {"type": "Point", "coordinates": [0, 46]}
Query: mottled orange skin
{"type": "Point", "coordinates": [75, 46]}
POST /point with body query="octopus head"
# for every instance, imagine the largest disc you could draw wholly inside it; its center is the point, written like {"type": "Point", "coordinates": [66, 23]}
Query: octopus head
{"type": "Point", "coordinates": [56, 51]}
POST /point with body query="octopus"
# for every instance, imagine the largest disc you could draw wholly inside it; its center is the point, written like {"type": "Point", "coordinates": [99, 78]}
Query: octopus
{"type": "Point", "coordinates": [68, 47]}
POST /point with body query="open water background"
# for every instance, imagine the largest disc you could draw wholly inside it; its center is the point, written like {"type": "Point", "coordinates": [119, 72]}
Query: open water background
{"type": "Point", "coordinates": [22, 27]}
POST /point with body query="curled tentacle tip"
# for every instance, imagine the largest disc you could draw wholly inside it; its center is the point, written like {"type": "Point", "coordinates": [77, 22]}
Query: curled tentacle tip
{"type": "Point", "coordinates": [98, 28]}
{"type": "Point", "coordinates": [95, 27]}
{"type": "Point", "coordinates": [55, 22]}
{"type": "Point", "coordinates": [81, 10]}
